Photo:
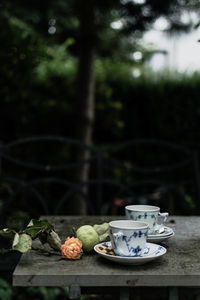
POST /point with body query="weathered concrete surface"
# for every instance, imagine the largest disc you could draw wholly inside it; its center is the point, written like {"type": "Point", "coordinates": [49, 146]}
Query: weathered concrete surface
{"type": "Point", "coordinates": [180, 266]}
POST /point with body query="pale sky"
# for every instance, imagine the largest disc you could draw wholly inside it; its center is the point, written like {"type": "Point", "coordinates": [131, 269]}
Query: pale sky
{"type": "Point", "coordinates": [183, 50]}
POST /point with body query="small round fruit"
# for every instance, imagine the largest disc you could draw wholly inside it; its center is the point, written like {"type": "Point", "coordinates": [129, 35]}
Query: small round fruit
{"type": "Point", "coordinates": [88, 236]}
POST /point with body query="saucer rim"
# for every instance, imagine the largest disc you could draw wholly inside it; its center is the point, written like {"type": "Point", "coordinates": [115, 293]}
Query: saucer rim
{"type": "Point", "coordinates": [162, 234]}
{"type": "Point", "coordinates": [159, 239]}
{"type": "Point", "coordinates": [131, 258]}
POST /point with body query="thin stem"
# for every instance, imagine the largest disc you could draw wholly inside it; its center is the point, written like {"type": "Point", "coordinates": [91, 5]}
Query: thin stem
{"type": "Point", "coordinates": [45, 251]}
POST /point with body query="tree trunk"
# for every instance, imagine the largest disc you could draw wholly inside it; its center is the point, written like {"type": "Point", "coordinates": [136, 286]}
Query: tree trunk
{"type": "Point", "coordinates": [85, 97]}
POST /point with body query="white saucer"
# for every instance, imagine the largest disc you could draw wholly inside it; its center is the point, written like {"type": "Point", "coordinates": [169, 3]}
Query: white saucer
{"type": "Point", "coordinates": [167, 231]}
{"type": "Point", "coordinates": [159, 237]}
{"type": "Point", "coordinates": [154, 252]}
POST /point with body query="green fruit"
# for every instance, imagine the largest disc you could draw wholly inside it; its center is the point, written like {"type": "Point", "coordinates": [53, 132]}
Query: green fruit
{"type": "Point", "coordinates": [103, 231]}
{"type": "Point", "coordinates": [88, 236]}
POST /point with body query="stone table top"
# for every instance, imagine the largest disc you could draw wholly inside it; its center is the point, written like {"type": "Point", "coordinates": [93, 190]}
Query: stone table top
{"type": "Point", "coordinates": [180, 266]}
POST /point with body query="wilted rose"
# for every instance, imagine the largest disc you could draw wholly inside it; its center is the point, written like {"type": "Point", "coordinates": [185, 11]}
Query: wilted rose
{"type": "Point", "coordinates": [72, 248]}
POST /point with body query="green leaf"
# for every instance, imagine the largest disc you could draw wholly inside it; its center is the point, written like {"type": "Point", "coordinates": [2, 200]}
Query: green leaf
{"type": "Point", "coordinates": [36, 227]}
{"type": "Point", "coordinates": [30, 223]}
{"type": "Point", "coordinates": [33, 231]}
{"type": "Point", "coordinates": [6, 291]}
{"type": "Point", "coordinates": [24, 243]}
{"type": "Point", "coordinates": [6, 232]}
{"type": "Point", "coordinates": [42, 223]}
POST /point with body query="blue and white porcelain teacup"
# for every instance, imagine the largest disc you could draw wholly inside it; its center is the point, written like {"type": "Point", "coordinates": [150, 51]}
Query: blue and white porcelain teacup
{"type": "Point", "coordinates": [146, 213]}
{"type": "Point", "coordinates": [128, 238]}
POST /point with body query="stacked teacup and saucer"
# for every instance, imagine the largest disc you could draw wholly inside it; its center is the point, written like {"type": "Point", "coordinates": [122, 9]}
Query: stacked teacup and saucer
{"type": "Point", "coordinates": [150, 214]}
{"type": "Point", "coordinates": [133, 241]}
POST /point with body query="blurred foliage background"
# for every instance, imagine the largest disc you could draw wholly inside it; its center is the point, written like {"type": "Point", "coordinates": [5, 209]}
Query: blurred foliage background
{"type": "Point", "coordinates": [41, 75]}
{"type": "Point", "coordinates": [39, 60]}
{"type": "Point", "coordinates": [69, 69]}
{"type": "Point", "coordinates": [51, 55]}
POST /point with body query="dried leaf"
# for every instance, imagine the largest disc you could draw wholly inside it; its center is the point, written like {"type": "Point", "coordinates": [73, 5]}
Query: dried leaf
{"type": "Point", "coordinates": [54, 240]}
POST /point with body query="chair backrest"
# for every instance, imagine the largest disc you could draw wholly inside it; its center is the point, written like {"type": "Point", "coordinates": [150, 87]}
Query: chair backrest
{"type": "Point", "coordinates": [36, 177]}
{"type": "Point", "coordinates": [37, 174]}
{"type": "Point", "coordinates": [158, 172]}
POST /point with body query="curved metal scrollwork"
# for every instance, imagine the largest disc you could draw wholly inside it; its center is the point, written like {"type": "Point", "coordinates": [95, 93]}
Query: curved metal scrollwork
{"type": "Point", "coordinates": [48, 167]}
{"type": "Point", "coordinates": [150, 142]}
{"type": "Point", "coordinates": [101, 160]}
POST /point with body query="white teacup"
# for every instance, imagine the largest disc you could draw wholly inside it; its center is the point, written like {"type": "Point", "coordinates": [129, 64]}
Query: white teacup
{"type": "Point", "coordinates": [146, 213]}
{"type": "Point", "coordinates": [128, 238]}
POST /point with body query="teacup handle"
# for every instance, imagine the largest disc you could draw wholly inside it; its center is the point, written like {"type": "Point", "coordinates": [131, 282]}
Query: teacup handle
{"type": "Point", "coordinates": [117, 235]}
{"type": "Point", "coordinates": [163, 215]}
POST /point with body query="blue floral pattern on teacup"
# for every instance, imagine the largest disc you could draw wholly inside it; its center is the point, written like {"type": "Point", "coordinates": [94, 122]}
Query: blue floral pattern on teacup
{"type": "Point", "coordinates": [135, 251]}
{"type": "Point", "coordinates": [146, 213]}
{"type": "Point", "coordinates": [151, 218]}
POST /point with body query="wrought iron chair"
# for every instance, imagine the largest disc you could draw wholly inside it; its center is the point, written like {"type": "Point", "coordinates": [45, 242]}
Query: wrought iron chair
{"type": "Point", "coordinates": [36, 175]}
{"type": "Point", "coordinates": [36, 179]}
{"type": "Point", "coordinates": [103, 192]}
{"type": "Point", "coordinates": [158, 172]}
